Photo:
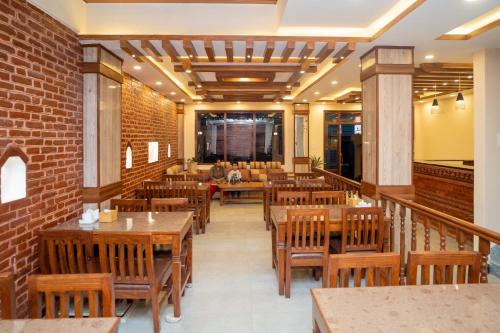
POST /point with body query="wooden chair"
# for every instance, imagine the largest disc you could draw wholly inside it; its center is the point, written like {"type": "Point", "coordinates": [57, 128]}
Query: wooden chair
{"type": "Point", "coordinates": [7, 295]}
{"type": "Point", "coordinates": [136, 273]}
{"type": "Point", "coordinates": [276, 186]}
{"type": "Point", "coordinates": [129, 205]}
{"type": "Point", "coordinates": [301, 164]}
{"type": "Point", "coordinates": [154, 189]}
{"type": "Point", "coordinates": [328, 198]}
{"type": "Point", "coordinates": [66, 252]}
{"type": "Point", "coordinates": [185, 183]}
{"type": "Point", "coordinates": [304, 175]}
{"type": "Point", "coordinates": [199, 177]}
{"type": "Point", "coordinates": [62, 292]}
{"type": "Point", "coordinates": [169, 205]}
{"type": "Point", "coordinates": [441, 264]}
{"type": "Point", "coordinates": [172, 178]}
{"type": "Point", "coordinates": [362, 230]}
{"type": "Point", "coordinates": [304, 183]}
{"type": "Point", "coordinates": [189, 190]}
{"type": "Point", "coordinates": [378, 269]}
{"type": "Point", "coordinates": [307, 242]}
{"type": "Point", "coordinates": [293, 198]}
{"type": "Point", "coordinates": [273, 176]}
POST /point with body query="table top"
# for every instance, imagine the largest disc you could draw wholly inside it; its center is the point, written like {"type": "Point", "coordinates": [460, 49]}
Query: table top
{"type": "Point", "coordinates": [242, 185]}
{"type": "Point", "coordinates": [437, 308]}
{"type": "Point", "coordinates": [144, 222]}
{"type": "Point", "coordinates": [86, 325]}
{"type": "Point", "coordinates": [279, 213]}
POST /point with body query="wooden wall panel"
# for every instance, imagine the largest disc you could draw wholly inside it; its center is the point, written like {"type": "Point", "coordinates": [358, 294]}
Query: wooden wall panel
{"type": "Point", "coordinates": [370, 130]}
{"type": "Point", "coordinates": [395, 56]}
{"type": "Point", "coordinates": [90, 130]}
{"type": "Point", "coordinates": [395, 130]}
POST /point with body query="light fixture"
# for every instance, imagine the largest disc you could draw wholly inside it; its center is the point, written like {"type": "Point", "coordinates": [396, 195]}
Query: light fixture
{"type": "Point", "coordinates": [460, 97]}
{"type": "Point", "coordinates": [159, 83]}
{"type": "Point", "coordinates": [238, 102]}
{"type": "Point", "coordinates": [445, 83]}
{"type": "Point", "coordinates": [289, 86]}
{"type": "Point", "coordinates": [416, 91]}
{"type": "Point", "coordinates": [305, 57]}
{"type": "Point", "coordinates": [316, 93]}
{"type": "Point", "coordinates": [469, 77]}
{"type": "Point", "coordinates": [425, 89]}
{"type": "Point", "coordinates": [112, 87]}
{"type": "Point", "coordinates": [429, 56]}
{"type": "Point", "coordinates": [342, 58]}
{"type": "Point", "coordinates": [248, 56]}
{"type": "Point", "coordinates": [172, 93]}
{"type": "Point", "coordinates": [198, 86]}
{"type": "Point", "coordinates": [183, 100]}
{"type": "Point", "coordinates": [435, 104]}
{"type": "Point", "coordinates": [302, 71]}
{"type": "Point", "coordinates": [334, 82]}
{"type": "Point", "coordinates": [190, 56]}
{"type": "Point", "coordinates": [137, 67]}
{"type": "Point", "coordinates": [304, 100]}
{"type": "Point", "coordinates": [188, 71]}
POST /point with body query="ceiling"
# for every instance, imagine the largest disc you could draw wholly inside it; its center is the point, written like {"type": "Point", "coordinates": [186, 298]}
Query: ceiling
{"type": "Point", "coordinates": [269, 33]}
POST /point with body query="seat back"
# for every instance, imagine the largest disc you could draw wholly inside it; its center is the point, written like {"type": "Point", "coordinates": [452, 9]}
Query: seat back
{"type": "Point", "coordinates": [304, 175]}
{"type": "Point", "coordinates": [128, 257]}
{"type": "Point", "coordinates": [273, 176]}
{"type": "Point", "coordinates": [293, 198]}
{"type": "Point", "coordinates": [301, 164]}
{"type": "Point", "coordinates": [280, 186]}
{"type": "Point", "coordinates": [307, 231]}
{"type": "Point", "coordinates": [65, 252]}
{"type": "Point", "coordinates": [441, 265]}
{"type": "Point", "coordinates": [377, 269]}
{"type": "Point", "coordinates": [7, 295]}
{"type": "Point", "coordinates": [169, 205]}
{"type": "Point", "coordinates": [362, 229]}
{"type": "Point", "coordinates": [154, 189]}
{"type": "Point", "coordinates": [311, 183]}
{"type": "Point", "coordinates": [186, 189]}
{"type": "Point", "coordinates": [327, 198]}
{"type": "Point", "coordinates": [62, 293]}
{"type": "Point", "coordinates": [172, 178]}
{"type": "Point", "coordinates": [129, 205]}
{"type": "Point", "coordinates": [199, 177]}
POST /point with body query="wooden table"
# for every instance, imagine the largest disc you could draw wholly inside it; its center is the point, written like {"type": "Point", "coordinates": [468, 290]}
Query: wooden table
{"type": "Point", "coordinates": [86, 325]}
{"type": "Point", "coordinates": [438, 308]}
{"type": "Point", "coordinates": [278, 216]}
{"type": "Point", "coordinates": [165, 228]}
{"type": "Point", "coordinates": [240, 187]}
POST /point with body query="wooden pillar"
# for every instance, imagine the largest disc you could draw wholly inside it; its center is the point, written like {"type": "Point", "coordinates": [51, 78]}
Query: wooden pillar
{"type": "Point", "coordinates": [301, 161]}
{"type": "Point", "coordinates": [386, 77]}
{"type": "Point", "coordinates": [102, 80]}
{"type": "Point", "coordinates": [180, 133]}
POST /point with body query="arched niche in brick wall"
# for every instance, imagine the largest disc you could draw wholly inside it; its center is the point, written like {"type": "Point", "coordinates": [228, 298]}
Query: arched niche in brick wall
{"type": "Point", "coordinates": [128, 156]}
{"type": "Point", "coordinates": [13, 174]}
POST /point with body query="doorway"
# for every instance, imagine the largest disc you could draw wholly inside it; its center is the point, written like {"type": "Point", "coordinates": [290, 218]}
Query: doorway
{"type": "Point", "coordinates": [343, 143]}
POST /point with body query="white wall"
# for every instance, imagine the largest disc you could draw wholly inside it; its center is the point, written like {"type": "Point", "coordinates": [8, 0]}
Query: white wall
{"type": "Point", "coordinates": [73, 13]}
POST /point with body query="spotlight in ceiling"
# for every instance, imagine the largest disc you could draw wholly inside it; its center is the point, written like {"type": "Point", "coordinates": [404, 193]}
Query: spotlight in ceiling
{"type": "Point", "coordinates": [158, 83]}
{"type": "Point", "coordinates": [302, 71]}
{"type": "Point", "coordinates": [172, 93]}
{"type": "Point", "coordinates": [198, 86]}
{"type": "Point", "coordinates": [334, 82]}
{"type": "Point", "coordinates": [137, 67]}
{"type": "Point", "coordinates": [183, 100]}
{"type": "Point", "coordinates": [188, 71]}
{"type": "Point", "coordinates": [316, 93]}
{"type": "Point", "coordinates": [304, 100]}
{"type": "Point", "coordinates": [429, 56]}
{"type": "Point", "coordinates": [289, 86]}
{"type": "Point", "coordinates": [238, 102]}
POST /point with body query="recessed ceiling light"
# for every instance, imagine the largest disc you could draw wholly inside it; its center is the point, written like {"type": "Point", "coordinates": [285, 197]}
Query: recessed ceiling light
{"type": "Point", "coordinates": [172, 93]}
{"type": "Point", "coordinates": [198, 86]}
{"type": "Point", "coordinates": [445, 83]}
{"type": "Point", "coordinates": [456, 80]}
{"type": "Point", "coordinates": [159, 83]}
{"type": "Point", "coordinates": [416, 91]}
{"type": "Point", "coordinates": [429, 56]}
{"type": "Point", "coordinates": [425, 89]}
{"type": "Point", "coordinates": [289, 86]}
{"type": "Point", "coordinates": [133, 55]}
{"type": "Point", "coordinates": [190, 56]}
{"type": "Point", "coordinates": [183, 100]}
{"type": "Point", "coordinates": [342, 57]}
{"type": "Point", "coordinates": [469, 77]}
{"type": "Point", "coordinates": [316, 93]}
{"type": "Point", "coordinates": [238, 102]}
{"type": "Point", "coordinates": [305, 57]}
{"type": "Point", "coordinates": [248, 56]}
{"type": "Point", "coordinates": [304, 100]}
{"type": "Point", "coordinates": [343, 102]}
{"type": "Point", "coordinates": [335, 82]}
{"type": "Point", "coordinates": [302, 71]}
{"type": "Point", "coordinates": [188, 71]}
{"type": "Point", "coordinates": [137, 67]}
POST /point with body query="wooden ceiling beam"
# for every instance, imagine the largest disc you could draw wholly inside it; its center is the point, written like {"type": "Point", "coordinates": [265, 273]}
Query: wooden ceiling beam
{"type": "Point", "coordinates": [170, 50]}
{"type": "Point", "coordinates": [229, 51]}
{"type": "Point", "coordinates": [209, 49]}
{"type": "Point", "coordinates": [344, 52]}
{"type": "Point", "coordinates": [239, 93]}
{"type": "Point", "coordinates": [151, 50]}
{"type": "Point", "coordinates": [190, 50]}
{"type": "Point", "coordinates": [306, 52]}
{"type": "Point", "coordinates": [187, 68]}
{"type": "Point", "coordinates": [248, 68]}
{"type": "Point", "coordinates": [128, 48]}
{"type": "Point", "coordinates": [249, 51]}
{"type": "Point", "coordinates": [231, 38]}
{"type": "Point", "coordinates": [326, 51]}
{"type": "Point", "coordinates": [268, 53]}
{"type": "Point", "coordinates": [244, 85]}
{"type": "Point", "coordinates": [287, 51]}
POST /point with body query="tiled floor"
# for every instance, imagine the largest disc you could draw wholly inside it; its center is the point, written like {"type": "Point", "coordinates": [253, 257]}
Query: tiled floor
{"type": "Point", "coordinates": [234, 286]}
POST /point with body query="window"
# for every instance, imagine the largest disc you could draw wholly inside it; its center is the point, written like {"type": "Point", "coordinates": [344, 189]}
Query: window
{"type": "Point", "coordinates": [153, 152]}
{"type": "Point", "coordinates": [13, 174]}
{"type": "Point", "coordinates": [128, 156]}
{"type": "Point", "coordinates": [239, 136]}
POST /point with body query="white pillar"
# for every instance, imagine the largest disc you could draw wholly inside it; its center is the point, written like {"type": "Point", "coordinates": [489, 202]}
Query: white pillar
{"type": "Point", "coordinates": [487, 138]}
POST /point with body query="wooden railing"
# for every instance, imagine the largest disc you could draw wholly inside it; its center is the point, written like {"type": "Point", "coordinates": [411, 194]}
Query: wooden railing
{"type": "Point", "coordinates": [399, 208]}
{"type": "Point", "coordinates": [338, 182]}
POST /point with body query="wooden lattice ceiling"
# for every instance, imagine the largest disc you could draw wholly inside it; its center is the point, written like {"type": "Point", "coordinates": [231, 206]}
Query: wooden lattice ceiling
{"type": "Point", "coordinates": [447, 78]}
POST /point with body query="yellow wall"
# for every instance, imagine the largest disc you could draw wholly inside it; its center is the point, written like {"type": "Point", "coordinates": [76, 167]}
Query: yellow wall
{"type": "Point", "coordinates": [316, 125]}
{"type": "Point", "coordinates": [447, 135]}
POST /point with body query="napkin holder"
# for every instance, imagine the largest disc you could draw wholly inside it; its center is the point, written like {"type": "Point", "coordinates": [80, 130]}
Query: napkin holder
{"type": "Point", "coordinates": [108, 215]}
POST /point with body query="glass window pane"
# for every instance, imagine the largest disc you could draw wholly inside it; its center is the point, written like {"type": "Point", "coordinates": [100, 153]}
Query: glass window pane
{"type": "Point", "coordinates": [210, 137]}
{"type": "Point", "coordinates": [269, 136]}
{"type": "Point", "coordinates": [239, 136]}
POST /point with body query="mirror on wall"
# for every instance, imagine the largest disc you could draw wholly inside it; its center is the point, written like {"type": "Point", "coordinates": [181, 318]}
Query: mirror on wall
{"type": "Point", "coordinates": [301, 130]}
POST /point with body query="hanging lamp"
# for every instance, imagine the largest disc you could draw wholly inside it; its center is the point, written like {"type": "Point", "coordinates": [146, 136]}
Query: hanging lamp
{"type": "Point", "coordinates": [460, 102]}
{"type": "Point", "coordinates": [435, 104]}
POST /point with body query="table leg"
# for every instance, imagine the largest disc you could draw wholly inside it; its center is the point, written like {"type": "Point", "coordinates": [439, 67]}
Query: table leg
{"type": "Point", "coordinates": [176, 280]}
{"type": "Point", "coordinates": [281, 249]}
{"type": "Point", "coordinates": [189, 263]}
{"type": "Point", "coordinates": [221, 201]}
{"type": "Point", "coordinates": [273, 245]}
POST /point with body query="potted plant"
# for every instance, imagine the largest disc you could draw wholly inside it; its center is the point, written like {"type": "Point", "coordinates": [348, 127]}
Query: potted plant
{"type": "Point", "coordinates": [193, 164]}
{"type": "Point", "coordinates": [316, 162]}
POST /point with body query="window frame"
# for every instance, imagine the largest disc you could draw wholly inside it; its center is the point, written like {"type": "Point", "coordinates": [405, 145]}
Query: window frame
{"type": "Point", "coordinates": [12, 150]}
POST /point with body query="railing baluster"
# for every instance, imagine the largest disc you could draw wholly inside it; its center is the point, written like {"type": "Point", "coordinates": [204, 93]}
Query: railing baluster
{"type": "Point", "coordinates": [392, 208]}
{"type": "Point", "coordinates": [427, 234]}
{"type": "Point", "coordinates": [413, 230]}
{"type": "Point", "coordinates": [442, 236]}
{"type": "Point", "coordinates": [461, 240]}
{"type": "Point", "coordinates": [402, 240]}
{"type": "Point", "coordinates": [484, 249]}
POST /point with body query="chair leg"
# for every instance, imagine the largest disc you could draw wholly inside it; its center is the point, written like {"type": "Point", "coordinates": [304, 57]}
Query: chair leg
{"type": "Point", "coordinates": [288, 279]}
{"type": "Point", "coordinates": [155, 307]}
{"type": "Point", "coordinates": [316, 273]}
{"type": "Point", "coordinates": [324, 281]}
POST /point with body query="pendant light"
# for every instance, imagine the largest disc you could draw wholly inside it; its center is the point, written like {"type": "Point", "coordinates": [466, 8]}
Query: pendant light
{"type": "Point", "coordinates": [435, 104]}
{"type": "Point", "coordinates": [460, 97]}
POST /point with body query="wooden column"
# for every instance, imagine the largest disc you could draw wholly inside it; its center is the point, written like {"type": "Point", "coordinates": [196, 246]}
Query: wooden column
{"type": "Point", "coordinates": [180, 133]}
{"type": "Point", "coordinates": [386, 76]}
{"type": "Point", "coordinates": [102, 82]}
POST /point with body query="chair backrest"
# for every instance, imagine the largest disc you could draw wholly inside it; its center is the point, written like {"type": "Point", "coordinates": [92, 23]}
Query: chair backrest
{"type": "Point", "coordinates": [304, 175]}
{"type": "Point", "coordinates": [280, 186]}
{"type": "Point", "coordinates": [377, 269]}
{"type": "Point", "coordinates": [301, 164]}
{"type": "Point", "coordinates": [154, 189]}
{"type": "Point", "coordinates": [65, 252]}
{"type": "Point", "coordinates": [7, 295]}
{"type": "Point", "coordinates": [62, 293]}
{"type": "Point", "coordinates": [185, 189]}
{"type": "Point", "coordinates": [441, 265]}
{"type": "Point", "coordinates": [272, 176]}
{"type": "Point", "coordinates": [362, 229]}
{"type": "Point", "coordinates": [327, 198]}
{"type": "Point", "coordinates": [169, 205]}
{"type": "Point", "coordinates": [172, 178]}
{"type": "Point", "coordinates": [128, 257]}
{"type": "Point", "coordinates": [129, 205]}
{"type": "Point", "coordinates": [308, 231]}
{"type": "Point", "coordinates": [304, 183]}
{"type": "Point", "coordinates": [199, 177]}
{"type": "Point", "coordinates": [185, 184]}
{"type": "Point", "coordinates": [293, 198]}
{"type": "Point", "coordinates": [245, 175]}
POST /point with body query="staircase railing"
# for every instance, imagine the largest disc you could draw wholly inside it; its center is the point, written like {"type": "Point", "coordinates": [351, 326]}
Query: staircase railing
{"type": "Point", "coordinates": [338, 182]}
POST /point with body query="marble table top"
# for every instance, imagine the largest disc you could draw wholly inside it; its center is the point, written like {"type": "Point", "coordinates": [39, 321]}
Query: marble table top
{"type": "Point", "coordinates": [87, 325]}
{"type": "Point", "coordinates": [438, 308]}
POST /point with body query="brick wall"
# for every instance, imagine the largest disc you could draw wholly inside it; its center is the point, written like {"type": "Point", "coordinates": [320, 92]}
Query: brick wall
{"type": "Point", "coordinates": [146, 116]}
{"type": "Point", "coordinates": [41, 111]}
